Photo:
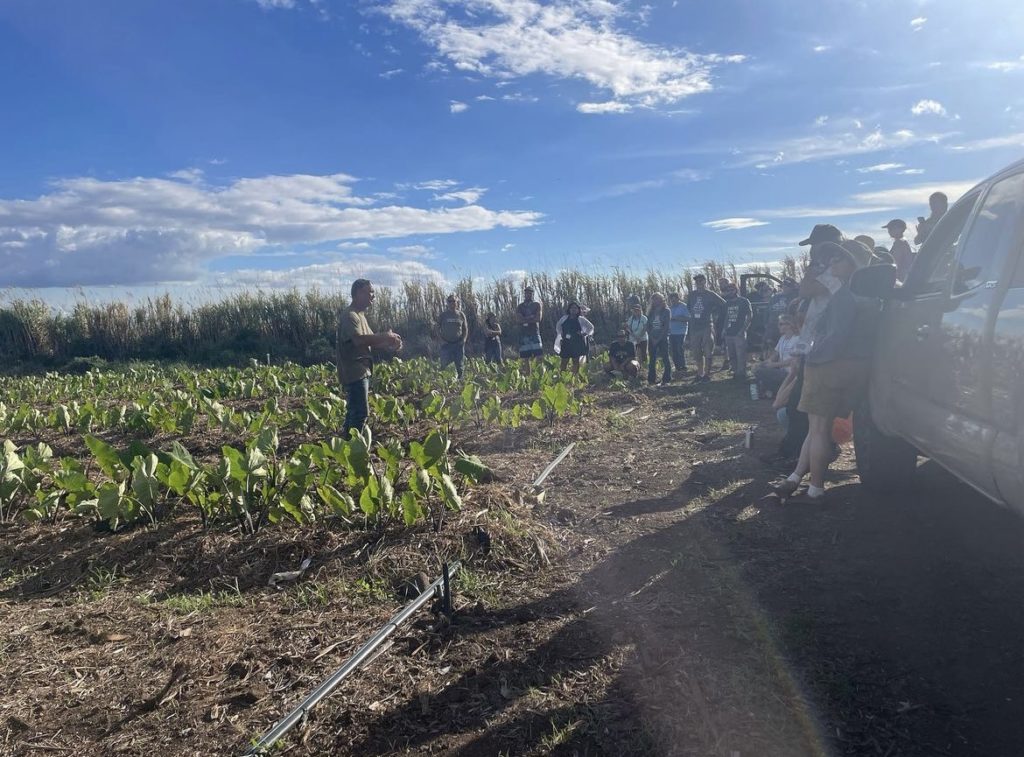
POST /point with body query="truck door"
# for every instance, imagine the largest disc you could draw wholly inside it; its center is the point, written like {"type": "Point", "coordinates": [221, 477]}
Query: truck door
{"type": "Point", "coordinates": [1008, 386]}
{"type": "Point", "coordinates": [962, 378]}
{"type": "Point", "coordinates": [907, 347]}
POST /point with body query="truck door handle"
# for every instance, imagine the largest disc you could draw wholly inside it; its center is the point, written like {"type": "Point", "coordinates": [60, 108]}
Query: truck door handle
{"type": "Point", "coordinates": [923, 332]}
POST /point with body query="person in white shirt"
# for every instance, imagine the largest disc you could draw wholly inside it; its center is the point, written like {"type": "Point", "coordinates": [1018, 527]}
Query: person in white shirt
{"type": "Point", "coordinates": [636, 325]}
{"type": "Point", "coordinates": [772, 372]}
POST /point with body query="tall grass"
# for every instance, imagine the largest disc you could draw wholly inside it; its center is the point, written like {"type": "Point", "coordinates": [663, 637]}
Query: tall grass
{"type": "Point", "coordinates": [300, 326]}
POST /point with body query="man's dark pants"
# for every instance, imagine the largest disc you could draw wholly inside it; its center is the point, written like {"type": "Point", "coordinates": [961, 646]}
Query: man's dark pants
{"type": "Point", "coordinates": [676, 344]}
{"type": "Point", "coordinates": [453, 353]}
{"type": "Point", "coordinates": [659, 349]}
{"type": "Point", "coordinates": [791, 443]}
{"type": "Point", "coordinates": [357, 397]}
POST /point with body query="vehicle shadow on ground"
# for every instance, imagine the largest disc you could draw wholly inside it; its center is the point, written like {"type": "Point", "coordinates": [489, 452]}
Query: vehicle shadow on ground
{"type": "Point", "coordinates": [869, 625]}
{"type": "Point", "coordinates": [685, 649]}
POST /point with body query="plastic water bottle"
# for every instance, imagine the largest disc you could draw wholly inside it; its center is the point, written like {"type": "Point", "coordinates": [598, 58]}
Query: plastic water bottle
{"type": "Point", "coordinates": [754, 393]}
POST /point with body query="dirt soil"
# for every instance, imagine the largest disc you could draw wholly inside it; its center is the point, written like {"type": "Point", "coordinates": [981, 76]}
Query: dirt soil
{"type": "Point", "coordinates": [650, 603]}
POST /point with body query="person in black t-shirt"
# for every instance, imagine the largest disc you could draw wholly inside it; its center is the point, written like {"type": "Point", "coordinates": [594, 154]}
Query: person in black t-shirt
{"type": "Point", "coordinates": [704, 306]}
{"type": "Point", "coordinates": [736, 320]}
{"type": "Point", "coordinates": [622, 356]}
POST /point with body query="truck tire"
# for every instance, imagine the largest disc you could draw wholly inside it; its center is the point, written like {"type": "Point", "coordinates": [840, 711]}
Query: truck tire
{"type": "Point", "coordinates": [883, 462]}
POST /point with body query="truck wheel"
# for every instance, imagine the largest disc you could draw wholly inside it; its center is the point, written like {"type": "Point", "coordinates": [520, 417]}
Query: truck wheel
{"type": "Point", "coordinates": [883, 462]}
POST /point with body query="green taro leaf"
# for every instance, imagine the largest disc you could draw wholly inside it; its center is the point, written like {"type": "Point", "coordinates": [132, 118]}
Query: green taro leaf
{"type": "Point", "coordinates": [537, 410]}
{"type": "Point", "coordinates": [449, 493]}
{"type": "Point", "coordinates": [106, 457]}
{"type": "Point", "coordinates": [473, 468]}
{"type": "Point", "coordinates": [411, 509]}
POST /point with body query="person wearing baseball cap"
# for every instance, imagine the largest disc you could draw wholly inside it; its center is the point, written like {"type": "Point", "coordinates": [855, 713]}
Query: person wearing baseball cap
{"type": "Point", "coordinates": [835, 376]}
{"type": "Point", "coordinates": [900, 249]}
{"type": "Point", "coordinates": [823, 232]}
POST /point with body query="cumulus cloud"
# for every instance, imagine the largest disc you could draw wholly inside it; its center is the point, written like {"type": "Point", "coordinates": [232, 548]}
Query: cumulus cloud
{"type": "Point", "coordinates": [90, 232]}
{"type": "Point", "coordinates": [380, 270]}
{"type": "Point", "coordinates": [930, 107]}
{"type": "Point", "coordinates": [821, 48]}
{"type": "Point", "coordinates": [734, 224]}
{"type": "Point", "coordinates": [458, 107]}
{"type": "Point", "coordinates": [918, 23]}
{"type": "Point", "coordinates": [567, 39]}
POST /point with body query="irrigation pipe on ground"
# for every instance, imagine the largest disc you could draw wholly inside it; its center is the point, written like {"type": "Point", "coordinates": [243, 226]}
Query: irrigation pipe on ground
{"type": "Point", "coordinates": [556, 461]}
{"type": "Point", "coordinates": [363, 655]}
{"type": "Point", "coordinates": [355, 662]}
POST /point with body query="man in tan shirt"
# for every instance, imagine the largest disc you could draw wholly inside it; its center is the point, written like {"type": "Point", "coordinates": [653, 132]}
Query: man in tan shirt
{"type": "Point", "coordinates": [453, 331]}
{"type": "Point", "coordinates": [356, 341]}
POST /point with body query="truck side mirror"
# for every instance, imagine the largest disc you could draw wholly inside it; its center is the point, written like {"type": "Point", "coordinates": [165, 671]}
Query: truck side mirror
{"type": "Point", "coordinates": [877, 281]}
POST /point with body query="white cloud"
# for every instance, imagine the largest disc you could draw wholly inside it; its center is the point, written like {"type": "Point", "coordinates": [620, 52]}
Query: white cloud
{"type": "Point", "coordinates": [507, 247]}
{"type": "Point", "coordinates": [268, 4]}
{"type": "Point", "coordinates": [413, 251]}
{"type": "Point", "coordinates": [932, 107]}
{"type": "Point", "coordinates": [353, 245]}
{"type": "Point", "coordinates": [821, 48]}
{"type": "Point", "coordinates": [877, 201]}
{"type": "Point", "coordinates": [612, 106]}
{"type": "Point", "coordinates": [390, 73]}
{"type": "Point", "coordinates": [734, 224]}
{"type": "Point", "coordinates": [458, 107]}
{"type": "Point", "coordinates": [567, 39]}
{"type": "Point", "coordinates": [88, 231]}
{"type": "Point", "coordinates": [911, 172]}
{"type": "Point", "coordinates": [821, 120]}
{"type": "Point", "coordinates": [839, 141]}
{"type": "Point", "coordinates": [991, 143]}
{"type": "Point", "coordinates": [382, 271]}
{"type": "Point", "coordinates": [1006, 65]}
{"type": "Point", "coordinates": [915, 194]}
{"type": "Point", "coordinates": [436, 185]}
{"type": "Point", "coordinates": [918, 23]}
{"type": "Point", "coordinates": [484, 98]}
{"type": "Point", "coordinates": [468, 196]}
{"type": "Point", "coordinates": [880, 168]}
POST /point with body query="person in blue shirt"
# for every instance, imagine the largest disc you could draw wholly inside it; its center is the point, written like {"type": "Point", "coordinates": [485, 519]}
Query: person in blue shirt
{"type": "Point", "coordinates": [677, 331]}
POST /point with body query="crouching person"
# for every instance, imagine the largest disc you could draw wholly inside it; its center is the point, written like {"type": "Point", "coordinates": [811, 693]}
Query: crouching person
{"type": "Point", "coordinates": [622, 357]}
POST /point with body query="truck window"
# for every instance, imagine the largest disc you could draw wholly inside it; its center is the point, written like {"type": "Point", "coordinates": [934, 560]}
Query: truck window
{"type": "Point", "coordinates": [931, 271]}
{"type": "Point", "coordinates": [996, 231]}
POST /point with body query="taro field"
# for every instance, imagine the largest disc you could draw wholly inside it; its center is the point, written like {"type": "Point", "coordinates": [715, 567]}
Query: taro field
{"type": "Point", "coordinates": [258, 447]}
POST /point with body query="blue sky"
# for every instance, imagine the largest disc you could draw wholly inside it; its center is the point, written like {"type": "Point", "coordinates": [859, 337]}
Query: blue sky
{"type": "Point", "coordinates": [207, 144]}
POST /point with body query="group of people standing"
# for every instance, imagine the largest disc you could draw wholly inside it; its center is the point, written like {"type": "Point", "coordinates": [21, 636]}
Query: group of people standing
{"type": "Point", "coordinates": [816, 372]}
